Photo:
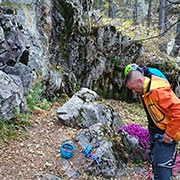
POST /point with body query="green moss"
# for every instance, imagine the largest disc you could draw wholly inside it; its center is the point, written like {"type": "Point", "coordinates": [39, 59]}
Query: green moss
{"type": "Point", "coordinates": [67, 12]}
{"type": "Point", "coordinates": [170, 69]}
{"type": "Point", "coordinates": [58, 69]}
{"type": "Point", "coordinates": [117, 145]}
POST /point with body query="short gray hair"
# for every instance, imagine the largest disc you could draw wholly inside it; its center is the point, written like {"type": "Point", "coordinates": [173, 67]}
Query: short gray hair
{"type": "Point", "coordinates": [128, 77]}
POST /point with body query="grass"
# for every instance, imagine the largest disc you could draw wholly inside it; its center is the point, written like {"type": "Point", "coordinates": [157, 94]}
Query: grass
{"type": "Point", "coordinates": [14, 128]}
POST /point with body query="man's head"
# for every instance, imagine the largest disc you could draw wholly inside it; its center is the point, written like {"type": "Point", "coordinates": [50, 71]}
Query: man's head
{"type": "Point", "coordinates": [135, 81]}
{"type": "Point", "coordinates": [129, 68]}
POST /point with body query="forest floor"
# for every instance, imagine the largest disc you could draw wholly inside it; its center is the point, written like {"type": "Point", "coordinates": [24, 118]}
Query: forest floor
{"type": "Point", "coordinates": [37, 152]}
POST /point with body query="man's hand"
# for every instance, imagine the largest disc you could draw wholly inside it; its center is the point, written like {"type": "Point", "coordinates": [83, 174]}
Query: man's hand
{"type": "Point", "coordinates": [166, 138]}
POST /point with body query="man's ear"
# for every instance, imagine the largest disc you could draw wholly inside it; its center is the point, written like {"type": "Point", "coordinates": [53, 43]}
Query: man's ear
{"type": "Point", "coordinates": [140, 80]}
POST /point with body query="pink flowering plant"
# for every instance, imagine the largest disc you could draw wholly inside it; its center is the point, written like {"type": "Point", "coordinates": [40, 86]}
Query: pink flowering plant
{"type": "Point", "coordinates": [139, 133]}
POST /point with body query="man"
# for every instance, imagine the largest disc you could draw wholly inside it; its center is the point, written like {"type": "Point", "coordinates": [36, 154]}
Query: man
{"type": "Point", "coordinates": [146, 71]}
{"type": "Point", "coordinates": [163, 111]}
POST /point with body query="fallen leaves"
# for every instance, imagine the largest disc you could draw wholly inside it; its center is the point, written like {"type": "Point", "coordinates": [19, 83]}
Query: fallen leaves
{"type": "Point", "coordinates": [38, 151]}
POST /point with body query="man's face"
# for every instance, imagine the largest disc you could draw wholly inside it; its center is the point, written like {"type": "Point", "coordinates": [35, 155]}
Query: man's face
{"type": "Point", "coordinates": [136, 87]}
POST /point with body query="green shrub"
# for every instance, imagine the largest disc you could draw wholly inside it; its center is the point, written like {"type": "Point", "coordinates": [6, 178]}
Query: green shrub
{"type": "Point", "coordinates": [14, 128]}
{"type": "Point", "coordinates": [34, 99]}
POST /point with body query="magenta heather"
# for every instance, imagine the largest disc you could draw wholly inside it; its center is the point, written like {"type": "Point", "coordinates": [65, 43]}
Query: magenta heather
{"type": "Point", "coordinates": [139, 133]}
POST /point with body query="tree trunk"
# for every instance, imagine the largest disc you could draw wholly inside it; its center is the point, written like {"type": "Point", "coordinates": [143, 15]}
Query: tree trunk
{"type": "Point", "coordinates": [112, 9]}
{"type": "Point", "coordinates": [135, 13]}
{"type": "Point", "coordinates": [142, 10]}
{"type": "Point", "coordinates": [149, 13]}
{"type": "Point", "coordinates": [163, 13]}
{"type": "Point", "coordinates": [176, 47]}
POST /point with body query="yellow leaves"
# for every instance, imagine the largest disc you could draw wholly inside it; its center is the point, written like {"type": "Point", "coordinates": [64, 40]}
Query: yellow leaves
{"type": "Point", "coordinates": [126, 28]}
{"type": "Point", "coordinates": [106, 21]}
{"type": "Point", "coordinates": [129, 112]}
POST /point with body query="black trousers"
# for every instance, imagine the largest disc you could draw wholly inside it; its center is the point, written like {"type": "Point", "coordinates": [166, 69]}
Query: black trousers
{"type": "Point", "coordinates": [163, 158]}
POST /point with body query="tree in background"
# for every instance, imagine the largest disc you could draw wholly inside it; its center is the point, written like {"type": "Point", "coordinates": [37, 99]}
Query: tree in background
{"type": "Point", "coordinates": [163, 13]}
{"type": "Point", "coordinates": [159, 16]}
{"type": "Point", "coordinates": [143, 12]}
{"type": "Point", "coordinates": [135, 13]}
{"type": "Point", "coordinates": [149, 13]}
{"type": "Point", "coordinates": [112, 9]}
{"type": "Point", "coordinates": [176, 47]}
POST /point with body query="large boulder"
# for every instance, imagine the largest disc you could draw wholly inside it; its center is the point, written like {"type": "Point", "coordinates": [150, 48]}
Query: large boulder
{"type": "Point", "coordinates": [106, 156]}
{"type": "Point", "coordinates": [85, 109]}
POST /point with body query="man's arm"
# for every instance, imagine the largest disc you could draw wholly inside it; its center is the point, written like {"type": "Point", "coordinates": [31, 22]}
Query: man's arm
{"type": "Point", "coordinates": [170, 103]}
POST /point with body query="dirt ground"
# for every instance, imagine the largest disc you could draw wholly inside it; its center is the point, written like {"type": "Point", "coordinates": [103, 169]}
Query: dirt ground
{"type": "Point", "coordinates": [37, 152]}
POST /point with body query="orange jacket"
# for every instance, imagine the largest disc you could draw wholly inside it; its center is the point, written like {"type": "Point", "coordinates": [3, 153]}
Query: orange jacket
{"type": "Point", "coordinates": [163, 106]}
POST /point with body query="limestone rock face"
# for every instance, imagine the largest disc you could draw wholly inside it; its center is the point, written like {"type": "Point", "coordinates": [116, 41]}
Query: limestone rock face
{"type": "Point", "coordinates": [12, 98]}
{"type": "Point", "coordinates": [62, 44]}
{"type": "Point", "coordinates": [24, 51]}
